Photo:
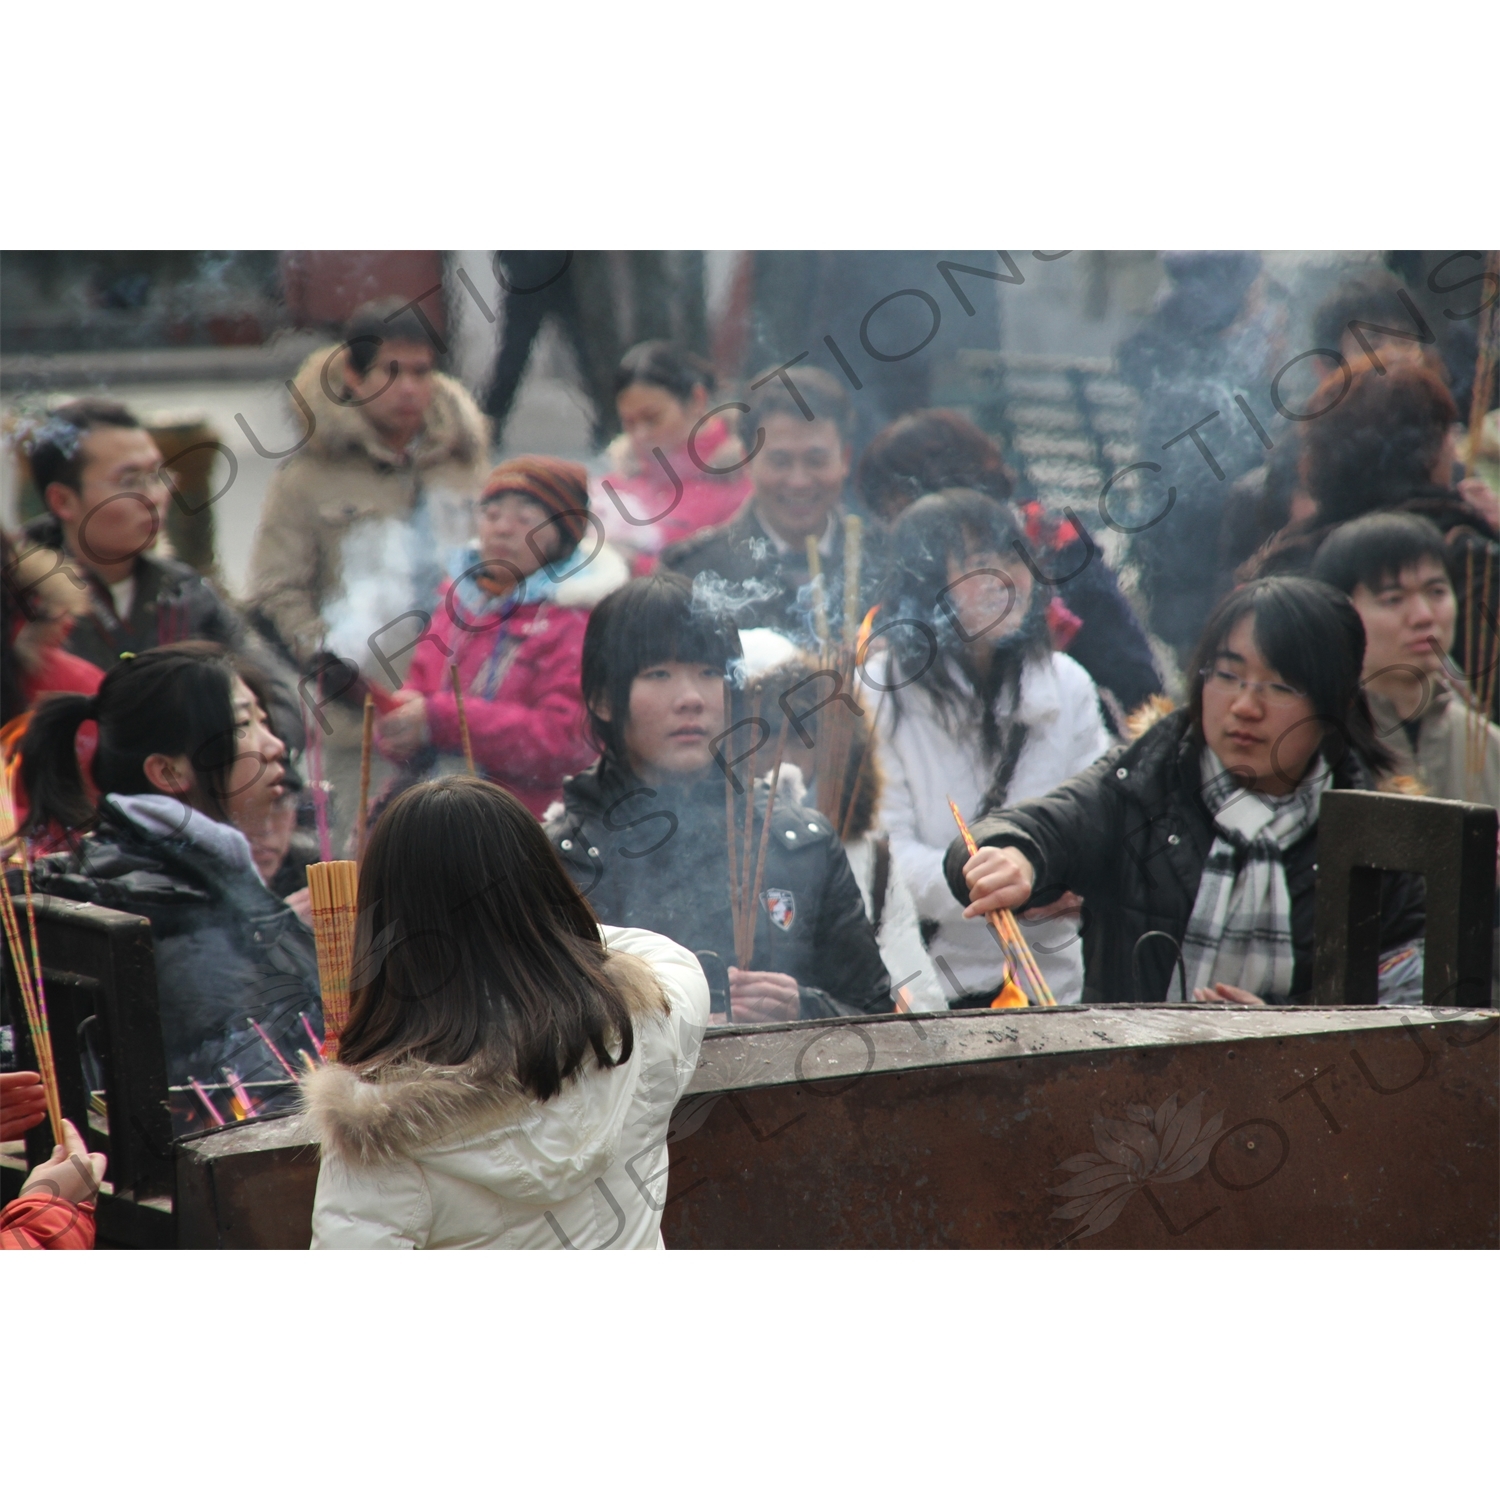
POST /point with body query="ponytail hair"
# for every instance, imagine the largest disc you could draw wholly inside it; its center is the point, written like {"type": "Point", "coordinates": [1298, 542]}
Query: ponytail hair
{"type": "Point", "coordinates": [170, 700]}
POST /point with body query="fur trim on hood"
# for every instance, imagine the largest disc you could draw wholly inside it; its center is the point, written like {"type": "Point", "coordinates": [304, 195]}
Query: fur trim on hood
{"type": "Point", "coordinates": [411, 1108]}
{"type": "Point", "coordinates": [456, 430]}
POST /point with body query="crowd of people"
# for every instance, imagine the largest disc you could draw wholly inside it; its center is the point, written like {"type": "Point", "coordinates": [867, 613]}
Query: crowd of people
{"type": "Point", "coordinates": [673, 744]}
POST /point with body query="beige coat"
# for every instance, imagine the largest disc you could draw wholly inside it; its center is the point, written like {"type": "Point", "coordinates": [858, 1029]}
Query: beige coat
{"type": "Point", "coordinates": [1441, 759]}
{"type": "Point", "coordinates": [343, 475]}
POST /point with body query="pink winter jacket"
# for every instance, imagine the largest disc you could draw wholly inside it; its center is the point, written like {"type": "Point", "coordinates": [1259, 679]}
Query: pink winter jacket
{"type": "Point", "coordinates": [520, 674]}
{"type": "Point", "coordinates": [646, 492]}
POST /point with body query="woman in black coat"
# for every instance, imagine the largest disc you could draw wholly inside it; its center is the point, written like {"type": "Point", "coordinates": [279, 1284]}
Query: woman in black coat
{"type": "Point", "coordinates": [1205, 828]}
{"type": "Point", "coordinates": [184, 755]}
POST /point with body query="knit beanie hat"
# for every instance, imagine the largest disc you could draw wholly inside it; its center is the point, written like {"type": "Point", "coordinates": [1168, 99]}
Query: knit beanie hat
{"type": "Point", "coordinates": [560, 487]}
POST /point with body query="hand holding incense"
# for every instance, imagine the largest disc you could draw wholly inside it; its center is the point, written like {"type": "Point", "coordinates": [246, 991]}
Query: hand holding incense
{"type": "Point", "coordinates": [1013, 943]}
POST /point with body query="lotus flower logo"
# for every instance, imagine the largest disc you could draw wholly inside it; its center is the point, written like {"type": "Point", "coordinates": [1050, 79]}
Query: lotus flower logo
{"type": "Point", "coordinates": [1149, 1149]}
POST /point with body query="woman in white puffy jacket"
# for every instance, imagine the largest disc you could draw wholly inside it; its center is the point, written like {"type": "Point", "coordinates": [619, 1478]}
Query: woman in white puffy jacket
{"type": "Point", "coordinates": [509, 1068]}
{"type": "Point", "coordinates": [973, 704]}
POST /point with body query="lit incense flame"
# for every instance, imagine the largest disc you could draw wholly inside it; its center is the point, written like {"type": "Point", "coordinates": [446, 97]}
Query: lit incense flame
{"type": "Point", "coordinates": [862, 640]}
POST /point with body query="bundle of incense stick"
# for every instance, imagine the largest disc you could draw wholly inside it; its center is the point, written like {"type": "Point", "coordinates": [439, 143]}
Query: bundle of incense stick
{"type": "Point", "coordinates": [333, 888]}
{"type": "Point", "coordinates": [1013, 944]}
{"type": "Point", "coordinates": [28, 964]}
{"type": "Point", "coordinates": [745, 877]}
{"type": "Point", "coordinates": [463, 718]}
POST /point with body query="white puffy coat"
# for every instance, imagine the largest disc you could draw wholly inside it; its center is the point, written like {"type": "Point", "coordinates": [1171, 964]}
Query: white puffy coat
{"type": "Point", "coordinates": [426, 1159]}
{"type": "Point", "coordinates": [924, 764]}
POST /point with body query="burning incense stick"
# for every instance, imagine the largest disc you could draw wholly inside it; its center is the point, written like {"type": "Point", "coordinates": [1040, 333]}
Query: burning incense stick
{"type": "Point", "coordinates": [34, 1003]}
{"type": "Point", "coordinates": [28, 966]}
{"type": "Point", "coordinates": [1012, 941]}
{"type": "Point", "coordinates": [244, 1108]}
{"type": "Point", "coordinates": [205, 1101]}
{"type": "Point", "coordinates": [334, 891]}
{"type": "Point", "coordinates": [312, 1035]}
{"type": "Point", "coordinates": [272, 1048]}
{"type": "Point", "coordinates": [463, 718]}
{"type": "Point", "coordinates": [367, 739]}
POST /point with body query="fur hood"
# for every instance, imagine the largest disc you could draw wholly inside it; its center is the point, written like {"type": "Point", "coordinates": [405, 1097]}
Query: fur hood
{"type": "Point", "coordinates": [414, 1108]}
{"type": "Point", "coordinates": [456, 431]}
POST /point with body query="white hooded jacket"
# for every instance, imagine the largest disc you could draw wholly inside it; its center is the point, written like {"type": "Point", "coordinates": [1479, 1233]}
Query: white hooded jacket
{"type": "Point", "coordinates": [427, 1159]}
{"type": "Point", "coordinates": [923, 764]}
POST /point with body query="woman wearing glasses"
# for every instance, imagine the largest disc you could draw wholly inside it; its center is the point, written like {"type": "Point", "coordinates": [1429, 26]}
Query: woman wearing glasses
{"type": "Point", "coordinates": [1204, 831]}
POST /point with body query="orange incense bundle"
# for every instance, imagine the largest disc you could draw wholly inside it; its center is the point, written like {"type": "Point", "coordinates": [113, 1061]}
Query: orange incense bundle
{"type": "Point", "coordinates": [1013, 945]}
{"type": "Point", "coordinates": [333, 888]}
{"type": "Point", "coordinates": [28, 964]}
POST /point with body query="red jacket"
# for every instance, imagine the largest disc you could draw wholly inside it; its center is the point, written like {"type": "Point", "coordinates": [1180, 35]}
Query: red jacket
{"type": "Point", "coordinates": [61, 672]}
{"type": "Point", "coordinates": [43, 1221]}
{"type": "Point", "coordinates": [520, 673]}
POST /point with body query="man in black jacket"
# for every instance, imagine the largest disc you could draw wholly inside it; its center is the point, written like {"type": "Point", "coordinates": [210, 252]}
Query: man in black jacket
{"type": "Point", "coordinates": [100, 476]}
{"type": "Point", "coordinates": [797, 432]}
{"type": "Point", "coordinates": [644, 833]}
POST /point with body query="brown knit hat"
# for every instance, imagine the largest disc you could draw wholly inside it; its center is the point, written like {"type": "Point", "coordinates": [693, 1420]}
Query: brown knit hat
{"type": "Point", "coordinates": [560, 487]}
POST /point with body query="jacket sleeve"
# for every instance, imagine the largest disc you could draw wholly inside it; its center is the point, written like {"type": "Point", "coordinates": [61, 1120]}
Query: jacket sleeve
{"type": "Point", "coordinates": [284, 565]}
{"type": "Point", "coordinates": [1071, 836]}
{"type": "Point", "coordinates": [388, 1208]}
{"type": "Point", "coordinates": [535, 737]}
{"type": "Point", "coordinates": [921, 864]}
{"type": "Point", "coordinates": [854, 975]}
{"type": "Point", "coordinates": [1112, 645]}
{"type": "Point", "coordinates": [43, 1221]}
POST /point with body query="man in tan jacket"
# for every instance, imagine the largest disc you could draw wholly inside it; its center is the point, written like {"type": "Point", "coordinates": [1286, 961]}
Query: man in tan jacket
{"type": "Point", "coordinates": [392, 455]}
{"type": "Point", "coordinates": [1394, 568]}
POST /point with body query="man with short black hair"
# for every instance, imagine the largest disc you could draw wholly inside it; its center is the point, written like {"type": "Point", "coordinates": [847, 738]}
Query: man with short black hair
{"type": "Point", "coordinates": [392, 452]}
{"type": "Point", "coordinates": [1395, 570]}
{"type": "Point", "coordinates": [100, 476]}
{"type": "Point", "coordinates": [797, 431]}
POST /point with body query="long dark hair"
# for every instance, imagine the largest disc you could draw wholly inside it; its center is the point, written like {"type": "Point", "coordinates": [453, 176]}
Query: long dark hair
{"type": "Point", "coordinates": [170, 700]}
{"type": "Point", "coordinates": [474, 948]}
{"type": "Point", "coordinates": [1314, 638]}
{"type": "Point", "coordinates": [920, 623]}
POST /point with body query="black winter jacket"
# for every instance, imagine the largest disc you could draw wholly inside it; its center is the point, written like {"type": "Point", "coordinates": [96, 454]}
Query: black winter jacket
{"type": "Point", "coordinates": [226, 948]}
{"type": "Point", "coordinates": [1131, 836]}
{"type": "Point", "coordinates": [173, 602]}
{"type": "Point", "coordinates": [657, 857]}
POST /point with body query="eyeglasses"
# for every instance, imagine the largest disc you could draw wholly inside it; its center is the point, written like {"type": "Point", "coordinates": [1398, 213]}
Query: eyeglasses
{"type": "Point", "coordinates": [1229, 684]}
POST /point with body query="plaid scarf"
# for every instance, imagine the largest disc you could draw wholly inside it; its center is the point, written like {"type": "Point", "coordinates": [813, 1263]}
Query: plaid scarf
{"type": "Point", "coordinates": [1240, 931]}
